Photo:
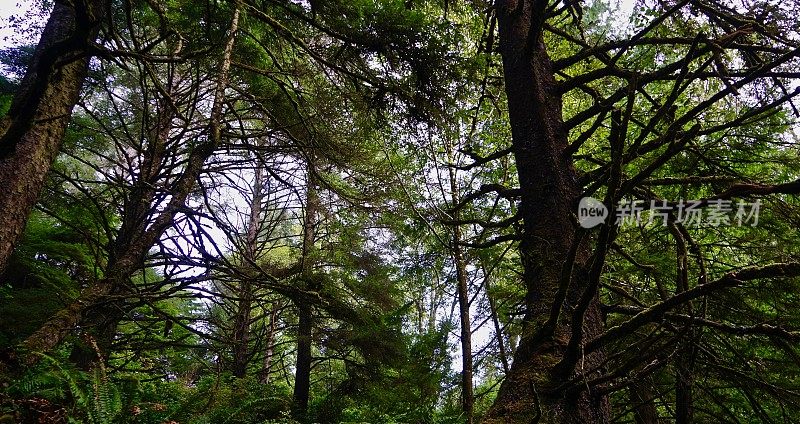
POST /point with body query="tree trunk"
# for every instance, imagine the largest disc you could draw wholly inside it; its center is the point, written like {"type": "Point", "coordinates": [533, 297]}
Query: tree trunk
{"type": "Point", "coordinates": [266, 369]}
{"type": "Point", "coordinates": [241, 322]}
{"type": "Point", "coordinates": [467, 398]}
{"type": "Point", "coordinates": [101, 322]}
{"type": "Point", "coordinates": [302, 378]}
{"type": "Point", "coordinates": [498, 329]}
{"type": "Point", "coordinates": [32, 131]}
{"type": "Point", "coordinates": [644, 409]}
{"type": "Point", "coordinates": [683, 396]}
{"type": "Point", "coordinates": [549, 198]}
{"type": "Point", "coordinates": [685, 357]}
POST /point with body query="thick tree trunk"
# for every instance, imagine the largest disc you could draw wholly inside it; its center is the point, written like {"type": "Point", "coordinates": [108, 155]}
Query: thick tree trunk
{"type": "Point", "coordinates": [549, 198]}
{"type": "Point", "coordinates": [32, 131]}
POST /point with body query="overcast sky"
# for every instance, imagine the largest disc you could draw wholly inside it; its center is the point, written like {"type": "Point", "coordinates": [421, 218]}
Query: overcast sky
{"type": "Point", "coordinates": [20, 10]}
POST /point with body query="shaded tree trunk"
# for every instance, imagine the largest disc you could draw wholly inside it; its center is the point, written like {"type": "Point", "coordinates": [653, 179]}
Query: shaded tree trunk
{"type": "Point", "coordinates": [683, 396]}
{"type": "Point", "coordinates": [305, 325]}
{"type": "Point", "coordinates": [32, 131]}
{"type": "Point", "coordinates": [531, 391]}
{"type": "Point", "coordinates": [685, 357]}
{"type": "Point", "coordinates": [644, 409]}
{"type": "Point", "coordinates": [241, 330]}
{"type": "Point", "coordinates": [302, 376]}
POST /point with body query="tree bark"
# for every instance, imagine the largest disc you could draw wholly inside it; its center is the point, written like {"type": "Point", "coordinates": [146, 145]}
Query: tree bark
{"type": "Point", "coordinates": [644, 409]}
{"type": "Point", "coordinates": [32, 131]}
{"type": "Point", "coordinates": [467, 397]}
{"type": "Point", "coordinates": [683, 396]}
{"type": "Point", "coordinates": [548, 182]}
{"type": "Point", "coordinates": [302, 378]}
{"type": "Point", "coordinates": [241, 322]}
{"type": "Point", "coordinates": [266, 369]}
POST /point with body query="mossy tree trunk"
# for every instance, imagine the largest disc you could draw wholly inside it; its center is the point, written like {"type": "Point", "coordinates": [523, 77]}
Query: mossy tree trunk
{"type": "Point", "coordinates": [33, 130]}
{"type": "Point", "coordinates": [544, 360]}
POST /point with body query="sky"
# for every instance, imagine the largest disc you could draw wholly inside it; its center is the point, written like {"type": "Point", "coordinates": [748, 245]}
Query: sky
{"type": "Point", "coordinates": [13, 10]}
{"type": "Point", "coordinates": [7, 8]}
{"type": "Point", "coordinates": [24, 9]}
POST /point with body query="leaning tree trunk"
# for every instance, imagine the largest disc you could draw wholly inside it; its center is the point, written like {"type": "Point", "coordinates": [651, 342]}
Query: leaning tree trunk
{"type": "Point", "coordinates": [32, 131]}
{"type": "Point", "coordinates": [131, 257]}
{"type": "Point", "coordinates": [102, 321]}
{"type": "Point", "coordinates": [531, 391]}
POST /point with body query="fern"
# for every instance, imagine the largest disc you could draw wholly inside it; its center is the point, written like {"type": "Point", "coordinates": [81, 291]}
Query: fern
{"type": "Point", "coordinates": [101, 402]}
{"type": "Point", "coordinates": [247, 405]}
{"type": "Point", "coordinates": [106, 400]}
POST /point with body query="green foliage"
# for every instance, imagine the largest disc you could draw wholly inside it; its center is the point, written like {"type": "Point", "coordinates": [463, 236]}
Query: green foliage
{"type": "Point", "coordinates": [49, 265]}
{"type": "Point", "coordinates": [387, 104]}
{"type": "Point", "coordinates": [88, 397]}
{"type": "Point", "coordinates": [416, 372]}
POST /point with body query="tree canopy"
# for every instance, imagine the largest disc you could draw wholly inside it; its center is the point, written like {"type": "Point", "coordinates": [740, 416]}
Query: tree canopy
{"type": "Point", "coordinates": [417, 211]}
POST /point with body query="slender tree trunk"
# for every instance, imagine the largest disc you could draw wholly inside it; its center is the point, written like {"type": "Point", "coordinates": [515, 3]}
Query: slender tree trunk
{"type": "Point", "coordinates": [498, 330]}
{"type": "Point", "coordinates": [32, 131]}
{"type": "Point", "coordinates": [241, 330]}
{"type": "Point", "coordinates": [683, 396]}
{"type": "Point", "coordinates": [685, 357]}
{"type": "Point", "coordinates": [266, 369]}
{"type": "Point", "coordinates": [549, 197]}
{"type": "Point", "coordinates": [241, 322]}
{"type": "Point", "coordinates": [641, 398]}
{"type": "Point", "coordinates": [302, 378]}
{"type": "Point", "coordinates": [467, 398]}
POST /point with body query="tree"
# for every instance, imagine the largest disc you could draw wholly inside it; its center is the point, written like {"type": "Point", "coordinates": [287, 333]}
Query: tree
{"type": "Point", "coordinates": [32, 130]}
{"type": "Point", "coordinates": [564, 323]}
{"type": "Point", "coordinates": [131, 254]}
{"type": "Point", "coordinates": [266, 209]}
